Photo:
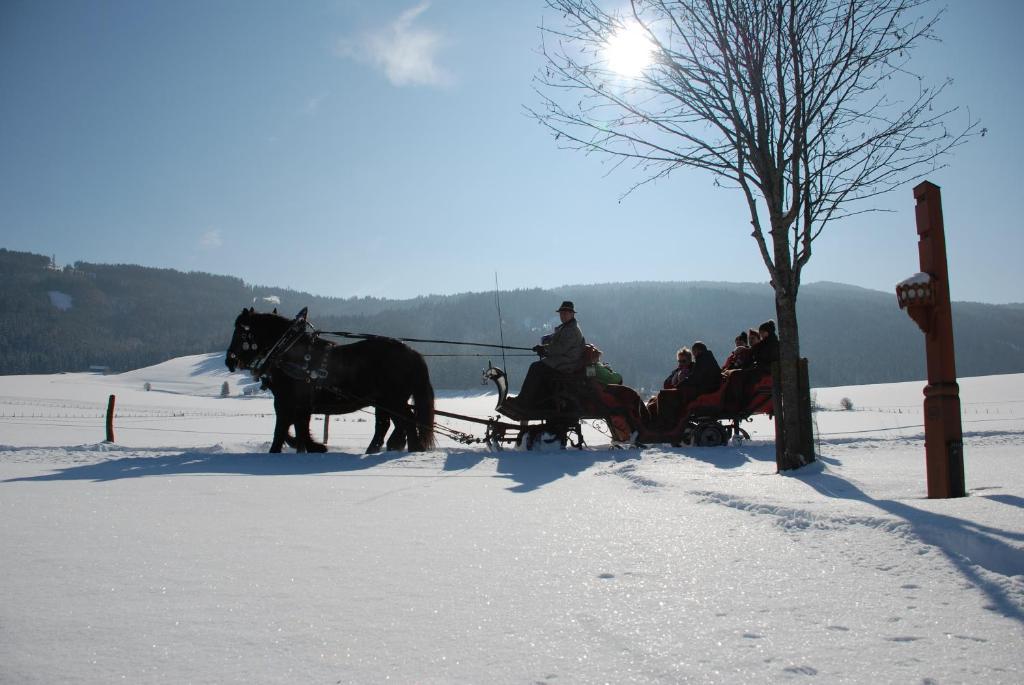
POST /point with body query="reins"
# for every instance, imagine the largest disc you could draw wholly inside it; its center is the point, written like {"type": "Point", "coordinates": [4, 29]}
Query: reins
{"type": "Point", "coordinates": [370, 336]}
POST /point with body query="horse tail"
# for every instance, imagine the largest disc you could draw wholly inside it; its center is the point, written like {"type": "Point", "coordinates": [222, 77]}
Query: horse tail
{"type": "Point", "coordinates": [423, 405]}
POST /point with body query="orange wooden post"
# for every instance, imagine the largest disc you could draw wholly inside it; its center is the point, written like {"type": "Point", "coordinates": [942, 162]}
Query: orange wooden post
{"type": "Point", "coordinates": [925, 296]}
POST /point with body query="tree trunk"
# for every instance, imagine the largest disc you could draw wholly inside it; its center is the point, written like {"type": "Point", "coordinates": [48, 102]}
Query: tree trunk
{"type": "Point", "coordinates": [792, 456]}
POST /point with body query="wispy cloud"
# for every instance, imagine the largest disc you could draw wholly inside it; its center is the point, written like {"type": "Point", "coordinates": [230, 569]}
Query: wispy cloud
{"type": "Point", "coordinates": [406, 52]}
{"type": "Point", "coordinates": [312, 106]}
{"type": "Point", "coordinates": [211, 240]}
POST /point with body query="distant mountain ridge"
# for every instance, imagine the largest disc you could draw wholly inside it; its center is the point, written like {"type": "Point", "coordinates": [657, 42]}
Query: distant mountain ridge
{"type": "Point", "coordinates": [126, 317]}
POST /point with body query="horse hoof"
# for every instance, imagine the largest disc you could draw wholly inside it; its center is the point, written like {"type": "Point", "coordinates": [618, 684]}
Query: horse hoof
{"type": "Point", "coordinates": [317, 447]}
{"type": "Point", "coordinates": [373, 449]}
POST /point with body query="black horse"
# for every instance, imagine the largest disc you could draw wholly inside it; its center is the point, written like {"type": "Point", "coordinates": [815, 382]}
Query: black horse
{"type": "Point", "coordinates": [309, 375]}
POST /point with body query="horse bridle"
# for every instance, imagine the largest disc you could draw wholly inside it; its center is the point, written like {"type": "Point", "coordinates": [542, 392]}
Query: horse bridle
{"type": "Point", "coordinates": [248, 343]}
{"type": "Point", "coordinates": [258, 366]}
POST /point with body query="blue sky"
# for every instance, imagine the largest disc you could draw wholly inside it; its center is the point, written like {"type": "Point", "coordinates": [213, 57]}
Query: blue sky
{"type": "Point", "coordinates": [362, 147]}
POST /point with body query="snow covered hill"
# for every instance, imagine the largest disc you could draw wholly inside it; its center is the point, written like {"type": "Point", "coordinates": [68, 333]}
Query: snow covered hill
{"type": "Point", "coordinates": [184, 553]}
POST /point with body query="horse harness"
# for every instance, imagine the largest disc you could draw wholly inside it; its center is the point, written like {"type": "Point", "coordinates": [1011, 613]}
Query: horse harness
{"type": "Point", "coordinates": [313, 368]}
{"type": "Point", "coordinates": [310, 370]}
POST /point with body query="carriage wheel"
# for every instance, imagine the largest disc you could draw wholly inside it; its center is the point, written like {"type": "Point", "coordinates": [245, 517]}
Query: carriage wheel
{"type": "Point", "coordinates": [687, 438]}
{"type": "Point", "coordinates": [710, 435]}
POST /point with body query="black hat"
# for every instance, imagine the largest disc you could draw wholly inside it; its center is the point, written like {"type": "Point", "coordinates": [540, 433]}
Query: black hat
{"type": "Point", "coordinates": [567, 306]}
{"type": "Point", "coordinates": [768, 325]}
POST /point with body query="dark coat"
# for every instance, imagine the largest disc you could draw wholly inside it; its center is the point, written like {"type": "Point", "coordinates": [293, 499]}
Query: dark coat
{"type": "Point", "coordinates": [765, 352]}
{"type": "Point", "coordinates": [678, 375]}
{"type": "Point", "coordinates": [706, 375]}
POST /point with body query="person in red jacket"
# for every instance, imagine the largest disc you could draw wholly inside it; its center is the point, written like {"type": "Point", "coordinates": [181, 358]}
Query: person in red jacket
{"type": "Point", "coordinates": [740, 356]}
{"type": "Point", "coordinates": [763, 354]}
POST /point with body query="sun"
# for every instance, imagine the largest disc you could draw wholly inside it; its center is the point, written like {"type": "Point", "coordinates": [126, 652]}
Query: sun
{"type": "Point", "coordinates": [629, 51]}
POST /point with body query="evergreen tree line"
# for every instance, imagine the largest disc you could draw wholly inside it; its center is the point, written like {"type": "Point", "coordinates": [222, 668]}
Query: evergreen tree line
{"type": "Point", "coordinates": [126, 317]}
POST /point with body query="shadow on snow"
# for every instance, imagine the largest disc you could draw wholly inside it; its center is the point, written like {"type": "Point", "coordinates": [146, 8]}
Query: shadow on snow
{"type": "Point", "coordinates": [967, 545]}
{"type": "Point", "coordinates": [528, 471]}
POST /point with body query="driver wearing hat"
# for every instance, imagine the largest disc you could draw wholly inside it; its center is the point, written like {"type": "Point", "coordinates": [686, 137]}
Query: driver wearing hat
{"type": "Point", "coordinates": [561, 352]}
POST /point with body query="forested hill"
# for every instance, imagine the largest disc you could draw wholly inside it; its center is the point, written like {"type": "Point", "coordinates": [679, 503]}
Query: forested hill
{"type": "Point", "coordinates": [126, 317]}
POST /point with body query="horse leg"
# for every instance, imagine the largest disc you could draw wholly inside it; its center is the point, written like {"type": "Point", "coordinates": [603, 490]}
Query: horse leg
{"type": "Point", "coordinates": [397, 440]}
{"type": "Point", "coordinates": [281, 426]}
{"type": "Point", "coordinates": [301, 433]}
{"type": "Point", "coordinates": [407, 423]}
{"type": "Point", "coordinates": [304, 441]}
{"type": "Point", "coordinates": [381, 424]}
{"type": "Point", "coordinates": [284, 409]}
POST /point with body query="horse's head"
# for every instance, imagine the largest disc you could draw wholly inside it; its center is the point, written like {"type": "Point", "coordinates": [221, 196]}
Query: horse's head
{"type": "Point", "coordinates": [244, 347]}
{"type": "Point", "coordinates": [254, 335]}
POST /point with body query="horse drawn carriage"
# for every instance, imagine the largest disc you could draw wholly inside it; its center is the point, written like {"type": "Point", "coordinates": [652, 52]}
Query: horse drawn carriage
{"type": "Point", "coordinates": [311, 374]}
{"type": "Point", "coordinates": [709, 420]}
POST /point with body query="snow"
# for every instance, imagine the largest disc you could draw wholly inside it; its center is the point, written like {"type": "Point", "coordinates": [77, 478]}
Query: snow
{"type": "Point", "coordinates": [184, 553]}
{"type": "Point", "coordinates": [61, 301]}
{"type": "Point", "coordinates": [916, 279]}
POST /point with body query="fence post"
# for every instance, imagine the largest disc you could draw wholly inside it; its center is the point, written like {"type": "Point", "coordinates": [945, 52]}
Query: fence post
{"type": "Point", "coordinates": [110, 419]}
{"type": "Point", "coordinates": [780, 429]}
{"type": "Point", "coordinates": [806, 423]}
{"type": "Point", "coordinates": [327, 425]}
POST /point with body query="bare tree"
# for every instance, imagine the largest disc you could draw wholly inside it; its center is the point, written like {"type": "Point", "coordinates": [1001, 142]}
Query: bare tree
{"type": "Point", "coordinates": [786, 100]}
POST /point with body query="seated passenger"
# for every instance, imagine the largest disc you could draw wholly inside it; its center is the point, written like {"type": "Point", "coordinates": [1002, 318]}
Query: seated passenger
{"type": "Point", "coordinates": [740, 356]}
{"type": "Point", "coordinates": [684, 359]}
{"type": "Point", "coordinates": [753, 337]}
{"type": "Point", "coordinates": [763, 353]}
{"type": "Point", "coordinates": [684, 362]}
{"type": "Point", "coordinates": [704, 377]}
{"type": "Point", "coordinates": [598, 370]}
{"type": "Point", "coordinates": [766, 350]}
{"type": "Point", "coordinates": [560, 353]}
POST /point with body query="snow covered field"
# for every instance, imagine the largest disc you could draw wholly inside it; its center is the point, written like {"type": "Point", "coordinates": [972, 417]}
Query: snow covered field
{"type": "Point", "coordinates": [183, 553]}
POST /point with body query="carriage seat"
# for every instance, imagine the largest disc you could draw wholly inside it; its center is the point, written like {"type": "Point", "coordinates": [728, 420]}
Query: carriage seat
{"type": "Point", "coordinates": [568, 393]}
{"type": "Point", "coordinates": [713, 405]}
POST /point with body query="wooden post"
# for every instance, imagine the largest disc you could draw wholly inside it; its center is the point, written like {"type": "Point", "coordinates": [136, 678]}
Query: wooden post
{"type": "Point", "coordinates": [926, 299]}
{"type": "Point", "coordinates": [780, 427]}
{"type": "Point", "coordinates": [327, 426]}
{"type": "Point", "coordinates": [806, 422]}
{"type": "Point", "coordinates": [110, 419]}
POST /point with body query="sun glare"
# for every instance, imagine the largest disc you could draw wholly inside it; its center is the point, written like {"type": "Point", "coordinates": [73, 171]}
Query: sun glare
{"type": "Point", "coordinates": [629, 51]}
